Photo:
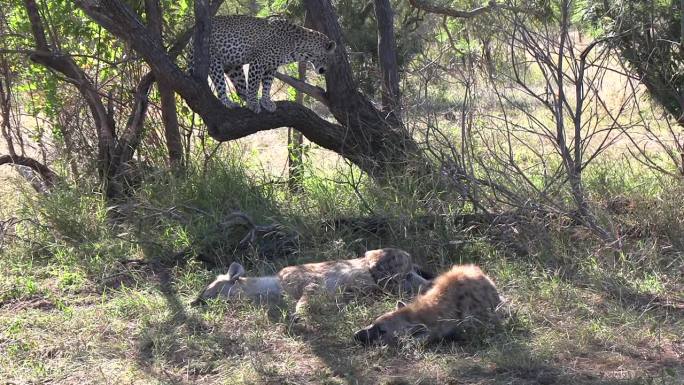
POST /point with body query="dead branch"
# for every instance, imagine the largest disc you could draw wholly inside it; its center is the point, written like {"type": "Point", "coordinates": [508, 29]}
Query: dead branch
{"type": "Point", "coordinates": [315, 92]}
{"type": "Point", "coordinates": [453, 12]}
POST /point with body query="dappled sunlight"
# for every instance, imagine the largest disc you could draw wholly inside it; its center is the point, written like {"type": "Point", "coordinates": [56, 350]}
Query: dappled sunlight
{"type": "Point", "coordinates": [540, 141]}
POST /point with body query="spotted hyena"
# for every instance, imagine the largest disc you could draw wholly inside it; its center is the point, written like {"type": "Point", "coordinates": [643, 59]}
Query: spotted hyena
{"type": "Point", "coordinates": [459, 302]}
{"type": "Point", "coordinates": [389, 268]}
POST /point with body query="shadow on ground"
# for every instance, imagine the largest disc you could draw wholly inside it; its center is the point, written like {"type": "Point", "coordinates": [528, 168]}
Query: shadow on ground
{"type": "Point", "coordinates": [183, 340]}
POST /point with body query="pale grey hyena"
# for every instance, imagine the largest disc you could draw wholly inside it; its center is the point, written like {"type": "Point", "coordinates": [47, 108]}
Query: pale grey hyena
{"type": "Point", "coordinates": [390, 269]}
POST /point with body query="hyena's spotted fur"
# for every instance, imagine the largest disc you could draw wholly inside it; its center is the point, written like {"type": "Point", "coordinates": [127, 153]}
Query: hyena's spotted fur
{"type": "Point", "coordinates": [459, 302]}
{"type": "Point", "coordinates": [389, 269]}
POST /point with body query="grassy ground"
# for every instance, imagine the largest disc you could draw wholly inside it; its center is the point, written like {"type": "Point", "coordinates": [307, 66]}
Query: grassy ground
{"type": "Point", "coordinates": [86, 299]}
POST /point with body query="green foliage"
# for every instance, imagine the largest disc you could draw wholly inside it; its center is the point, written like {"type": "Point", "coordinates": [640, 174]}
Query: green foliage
{"type": "Point", "coordinates": [91, 291]}
{"type": "Point", "coordinates": [648, 35]}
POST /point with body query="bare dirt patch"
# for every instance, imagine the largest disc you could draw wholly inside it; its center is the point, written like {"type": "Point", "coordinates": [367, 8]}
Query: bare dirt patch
{"type": "Point", "coordinates": [33, 302]}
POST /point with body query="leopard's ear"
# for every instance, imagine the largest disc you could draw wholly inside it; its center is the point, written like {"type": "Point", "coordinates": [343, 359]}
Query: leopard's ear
{"type": "Point", "coordinates": [400, 304]}
{"type": "Point", "coordinates": [330, 48]}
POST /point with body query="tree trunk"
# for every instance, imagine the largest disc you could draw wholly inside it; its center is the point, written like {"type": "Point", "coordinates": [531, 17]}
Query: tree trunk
{"type": "Point", "coordinates": [380, 136]}
{"type": "Point", "coordinates": [5, 109]}
{"type": "Point", "coordinates": [295, 141]}
{"type": "Point", "coordinates": [387, 54]}
{"type": "Point", "coordinates": [104, 124]}
{"type": "Point", "coordinates": [155, 22]}
{"type": "Point", "coordinates": [171, 130]}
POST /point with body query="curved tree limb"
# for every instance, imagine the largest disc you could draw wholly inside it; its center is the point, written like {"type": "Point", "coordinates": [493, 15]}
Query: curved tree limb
{"type": "Point", "coordinates": [131, 136]}
{"type": "Point", "coordinates": [65, 65]}
{"type": "Point", "coordinates": [113, 150]}
{"type": "Point", "coordinates": [49, 177]}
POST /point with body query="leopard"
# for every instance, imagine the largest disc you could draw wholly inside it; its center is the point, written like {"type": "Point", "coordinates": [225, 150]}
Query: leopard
{"type": "Point", "coordinates": [264, 44]}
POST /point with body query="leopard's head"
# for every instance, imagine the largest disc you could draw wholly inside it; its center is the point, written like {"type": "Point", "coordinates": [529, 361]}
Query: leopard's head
{"type": "Point", "coordinates": [317, 49]}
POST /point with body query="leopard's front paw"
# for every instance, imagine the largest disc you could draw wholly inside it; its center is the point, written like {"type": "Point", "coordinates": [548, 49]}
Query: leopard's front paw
{"type": "Point", "coordinates": [228, 103]}
{"type": "Point", "coordinates": [254, 106]}
{"type": "Point", "coordinates": [268, 104]}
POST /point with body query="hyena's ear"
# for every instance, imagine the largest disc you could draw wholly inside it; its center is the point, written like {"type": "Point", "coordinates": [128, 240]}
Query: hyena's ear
{"type": "Point", "coordinates": [235, 271]}
{"type": "Point", "coordinates": [400, 304]}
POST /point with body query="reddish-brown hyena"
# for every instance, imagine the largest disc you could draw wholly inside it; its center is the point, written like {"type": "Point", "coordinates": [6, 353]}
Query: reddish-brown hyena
{"type": "Point", "coordinates": [459, 302]}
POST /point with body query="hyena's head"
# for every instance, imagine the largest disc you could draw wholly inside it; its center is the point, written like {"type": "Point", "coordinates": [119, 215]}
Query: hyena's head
{"type": "Point", "coordinates": [234, 285]}
{"type": "Point", "coordinates": [390, 327]}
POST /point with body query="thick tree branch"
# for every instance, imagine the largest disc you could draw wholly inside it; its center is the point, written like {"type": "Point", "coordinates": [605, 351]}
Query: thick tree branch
{"type": "Point", "coordinates": [201, 41]}
{"type": "Point", "coordinates": [116, 17]}
{"type": "Point", "coordinates": [131, 136]}
{"type": "Point", "coordinates": [36, 25]}
{"type": "Point", "coordinates": [167, 97]}
{"type": "Point", "coordinates": [241, 122]}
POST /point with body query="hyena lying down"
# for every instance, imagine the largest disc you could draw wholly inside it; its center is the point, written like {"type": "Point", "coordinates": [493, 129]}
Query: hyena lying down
{"type": "Point", "coordinates": [459, 302]}
{"type": "Point", "coordinates": [388, 268]}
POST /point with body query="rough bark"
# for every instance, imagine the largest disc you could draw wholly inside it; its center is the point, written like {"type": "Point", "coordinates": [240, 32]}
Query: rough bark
{"type": "Point", "coordinates": [387, 55]}
{"type": "Point", "coordinates": [201, 41]}
{"type": "Point", "coordinates": [171, 129]}
{"type": "Point", "coordinates": [104, 124]}
{"type": "Point", "coordinates": [295, 141]}
{"type": "Point", "coordinates": [167, 97]}
{"type": "Point", "coordinates": [376, 144]}
{"type": "Point", "coordinates": [376, 134]}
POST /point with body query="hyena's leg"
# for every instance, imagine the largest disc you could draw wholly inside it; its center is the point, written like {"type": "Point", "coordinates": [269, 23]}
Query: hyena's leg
{"type": "Point", "coordinates": [267, 80]}
{"type": "Point", "coordinates": [219, 80]}
{"type": "Point", "coordinates": [309, 291]}
{"type": "Point", "coordinates": [237, 77]}
{"type": "Point", "coordinates": [256, 71]}
{"type": "Point", "coordinates": [414, 284]}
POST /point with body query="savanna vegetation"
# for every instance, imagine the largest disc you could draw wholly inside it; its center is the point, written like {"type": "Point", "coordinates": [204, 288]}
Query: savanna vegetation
{"type": "Point", "coordinates": [539, 139]}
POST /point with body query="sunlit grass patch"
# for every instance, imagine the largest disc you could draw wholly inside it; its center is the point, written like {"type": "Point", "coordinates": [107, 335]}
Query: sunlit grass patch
{"type": "Point", "coordinates": [95, 297]}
